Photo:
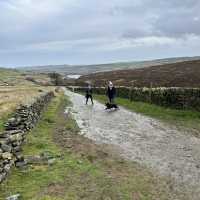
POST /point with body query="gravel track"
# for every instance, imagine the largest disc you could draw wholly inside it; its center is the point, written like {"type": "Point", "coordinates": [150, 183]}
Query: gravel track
{"type": "Point", "coordinates": [158, 146]}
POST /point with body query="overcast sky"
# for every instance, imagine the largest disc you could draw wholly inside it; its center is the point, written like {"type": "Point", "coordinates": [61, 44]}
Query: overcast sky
{"type": "Point", "coordinates": [40, 32]}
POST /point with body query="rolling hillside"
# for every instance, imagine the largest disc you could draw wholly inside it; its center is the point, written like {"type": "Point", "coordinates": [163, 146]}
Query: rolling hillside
{"type": "Point", "coordinates": [88, 69]}
{"type": "Point", "coordinates": [13, 77]}
{"type": "Point", "coordinates": [181, 74]}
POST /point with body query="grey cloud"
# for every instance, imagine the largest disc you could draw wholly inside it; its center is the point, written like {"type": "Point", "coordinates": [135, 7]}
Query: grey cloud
{"type": "Point", "coordinates": [89, 27]}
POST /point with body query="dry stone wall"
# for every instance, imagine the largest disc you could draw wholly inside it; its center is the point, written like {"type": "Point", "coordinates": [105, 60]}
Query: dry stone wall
{"type": "Point", "coordinates": [16, 129]}
{"type": "Point", "coordinates": [178, 98]}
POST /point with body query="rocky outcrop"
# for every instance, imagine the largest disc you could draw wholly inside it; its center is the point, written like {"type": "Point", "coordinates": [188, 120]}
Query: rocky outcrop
{"type": "Point", "coordinates": [16, 129]}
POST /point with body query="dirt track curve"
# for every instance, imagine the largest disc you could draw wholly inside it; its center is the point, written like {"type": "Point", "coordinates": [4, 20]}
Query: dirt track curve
{"type": "Point", "coordinates": [147, 141]}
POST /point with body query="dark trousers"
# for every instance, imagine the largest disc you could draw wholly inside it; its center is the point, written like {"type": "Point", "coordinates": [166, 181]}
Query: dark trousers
{"type": "Point", "coordinates": [89, 96]}
{"type": "Point", "coordinates": [111, 100]}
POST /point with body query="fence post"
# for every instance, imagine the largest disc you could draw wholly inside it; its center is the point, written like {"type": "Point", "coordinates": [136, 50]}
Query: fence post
{"type": "Point", "coordinates": [130, 93]}
{"type": "Point", "coordinates": [131, 90]}
{"type": "Point", "coordinates": [150, 93]}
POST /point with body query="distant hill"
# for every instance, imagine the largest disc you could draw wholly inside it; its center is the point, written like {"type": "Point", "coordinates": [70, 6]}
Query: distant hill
{"type": "Point", "coordinates": [88, 69]}
{"type": "Point", "coordinates": [180, 74]}
{"type": "Point", "coordinates": [8, 76]}
{"type": "Point", "coordinates": [13, 77]}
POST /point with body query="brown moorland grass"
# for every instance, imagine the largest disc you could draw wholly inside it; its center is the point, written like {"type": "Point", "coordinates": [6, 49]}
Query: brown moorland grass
{"type": "Point", "coordinates": [16, 89]}
{"type": "Point", "coordinates": [183, 74]}
{"type": "Point", "coordinates": [11, 97]}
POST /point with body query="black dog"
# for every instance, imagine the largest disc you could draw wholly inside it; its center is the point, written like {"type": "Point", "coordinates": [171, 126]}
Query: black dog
{"type": "Point", "coordinates": [110, 106]}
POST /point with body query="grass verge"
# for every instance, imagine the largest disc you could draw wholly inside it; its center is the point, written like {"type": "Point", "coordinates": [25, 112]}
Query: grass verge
{"type": "Point", "coordinates": [82, 170]}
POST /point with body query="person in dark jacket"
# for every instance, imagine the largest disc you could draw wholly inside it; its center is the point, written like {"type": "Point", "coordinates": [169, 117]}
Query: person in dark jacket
{"type": "Point", "coordinates": [111, 92]}
{"type": "Point", "coordinates": [88, 94]}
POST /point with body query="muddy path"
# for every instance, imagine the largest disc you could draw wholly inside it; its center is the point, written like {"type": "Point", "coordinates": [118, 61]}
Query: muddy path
{"type": "Point", "coordinates": [147, 141]}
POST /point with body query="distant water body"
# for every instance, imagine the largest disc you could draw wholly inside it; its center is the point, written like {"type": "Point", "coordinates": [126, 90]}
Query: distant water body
{"type": "Point", "coordinates": [74, 76]}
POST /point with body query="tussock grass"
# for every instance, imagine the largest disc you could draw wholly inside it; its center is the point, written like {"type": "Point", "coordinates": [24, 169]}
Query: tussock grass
{"type": "Point", "coordinates": [11, 97]}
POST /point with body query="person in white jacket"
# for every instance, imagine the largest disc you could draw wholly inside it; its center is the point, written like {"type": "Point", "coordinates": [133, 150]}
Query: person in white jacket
{"type": "Point", "coordinates": [111, 92]}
